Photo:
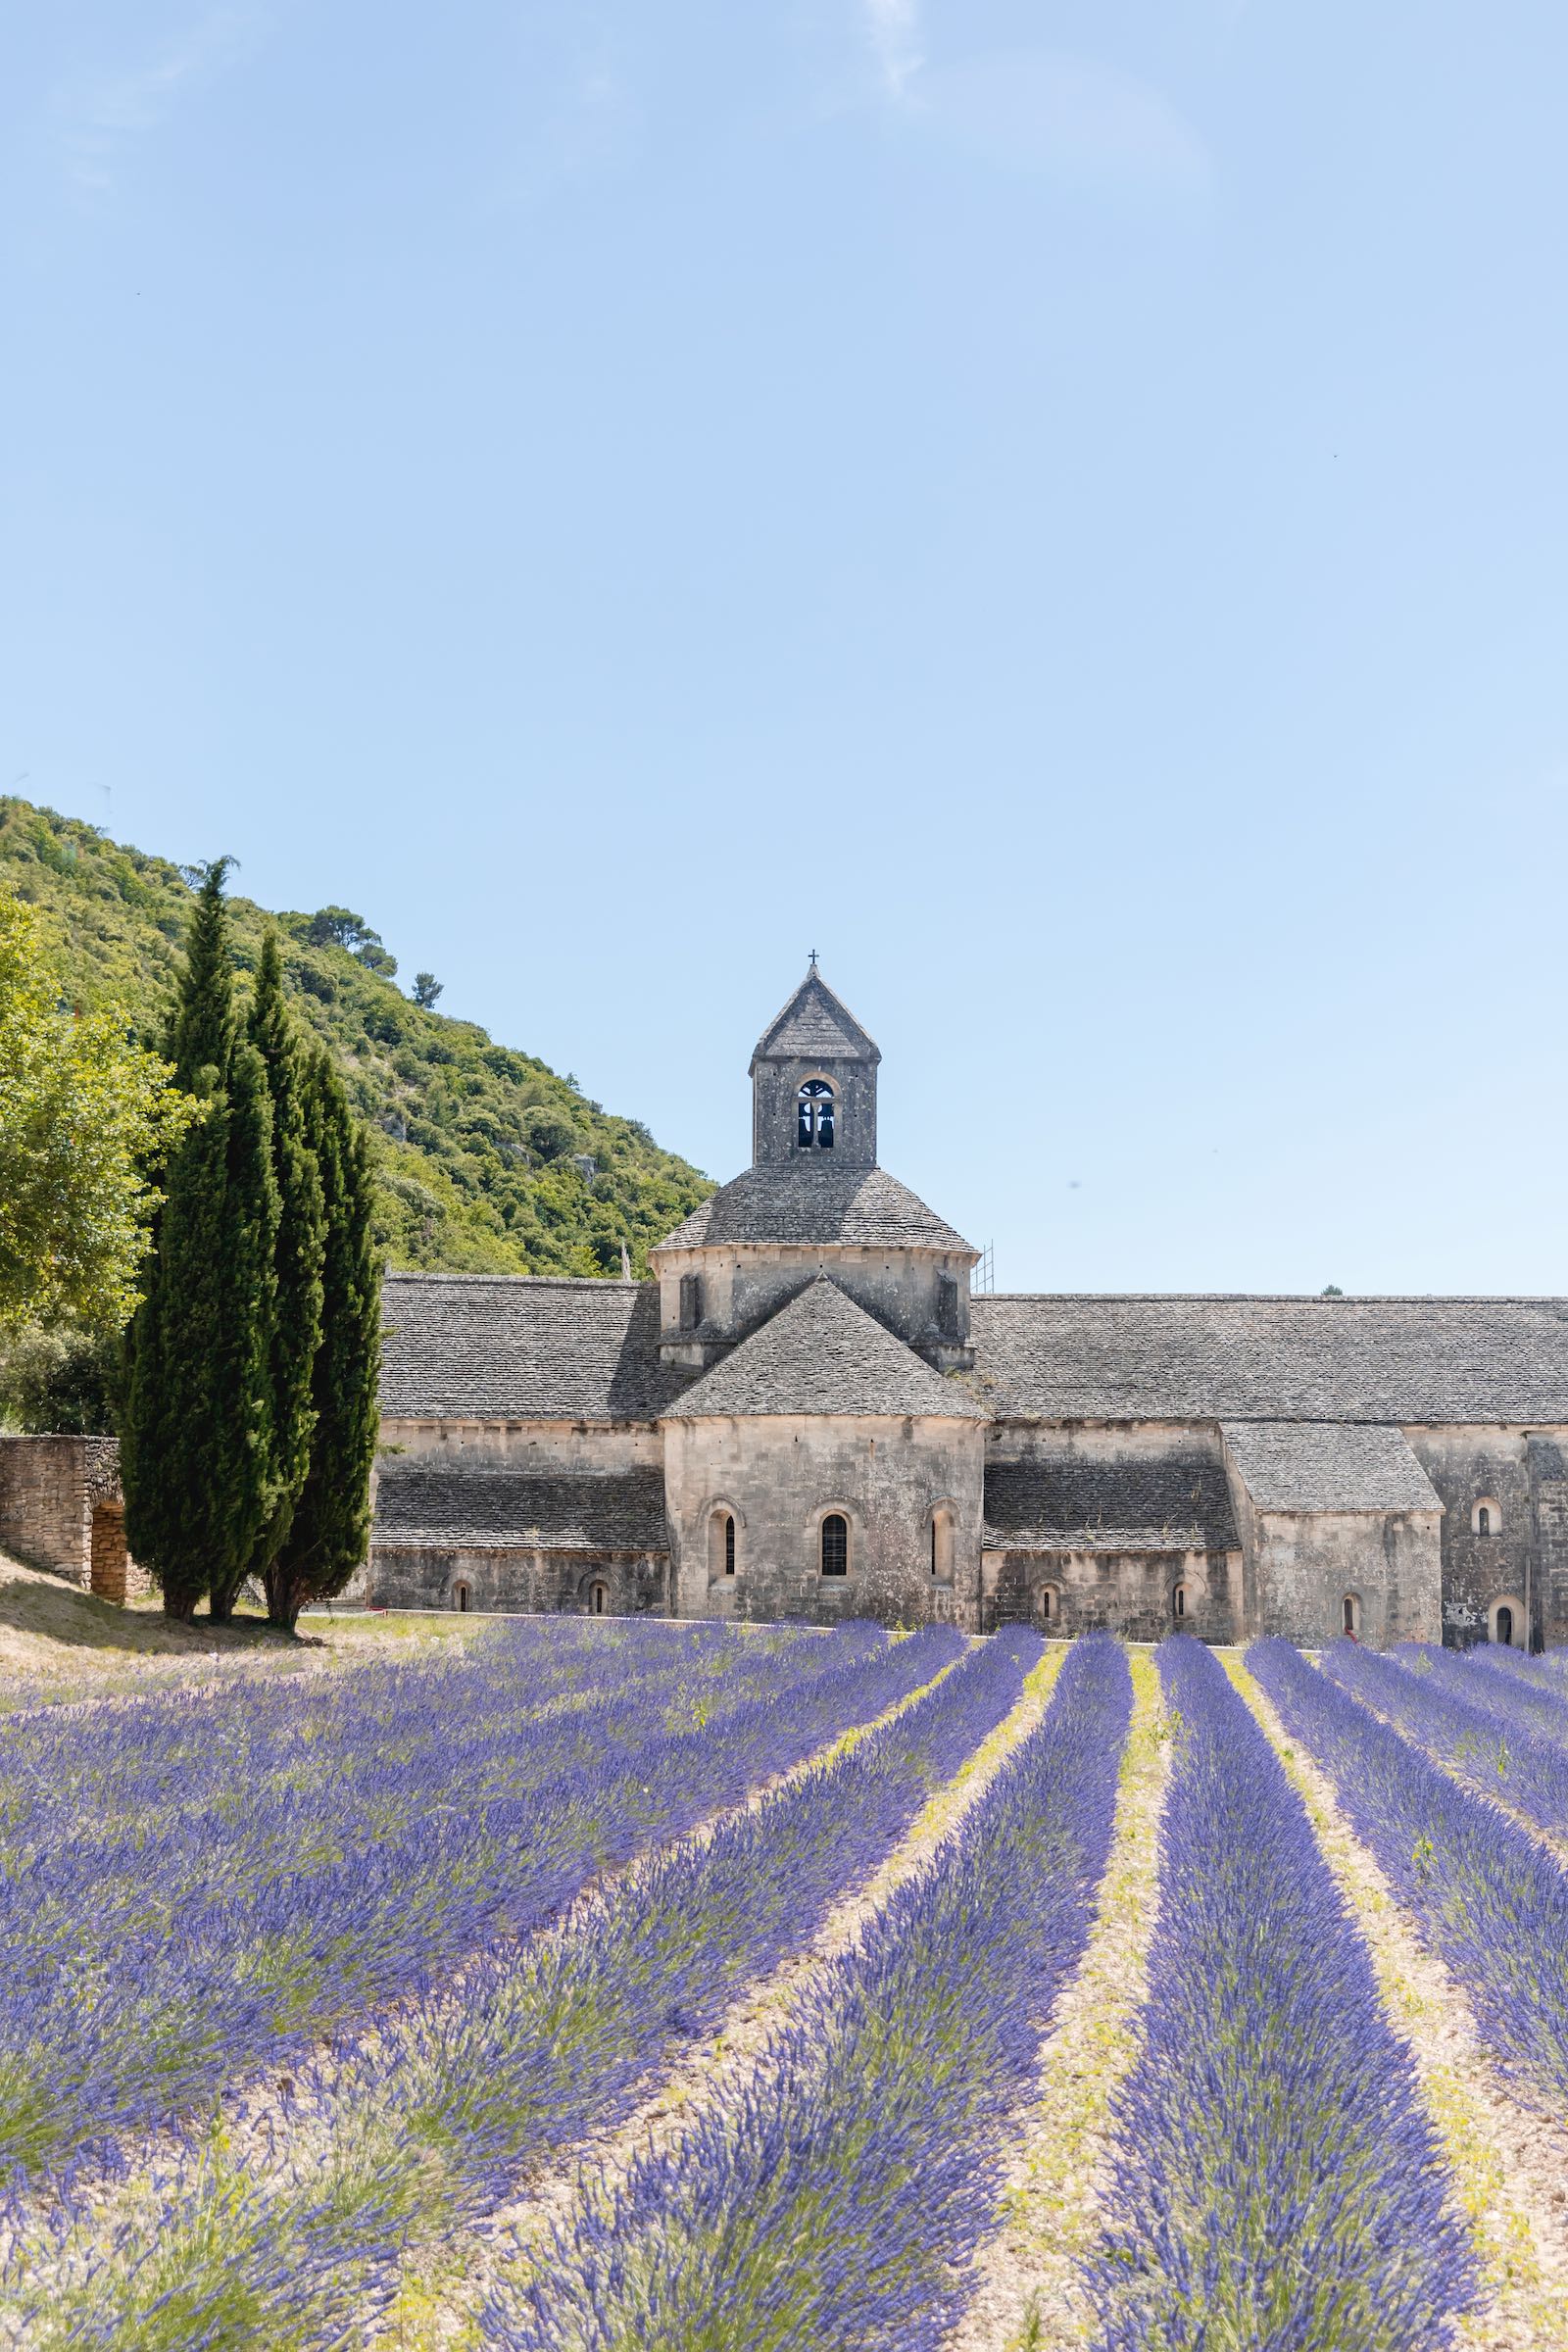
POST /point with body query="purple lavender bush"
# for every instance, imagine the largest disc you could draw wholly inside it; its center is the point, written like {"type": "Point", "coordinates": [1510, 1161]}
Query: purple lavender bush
{"type": "Point", "coordinates": [1481, 1890]}
{"type": "Point", "coordinates": [1497, 1756]}
{"type": "Point", "coordinates": [838, 2197]}
{"type": "Point", "coordinates": [220, 1917]}
{"type": "Point", "coordinates": [1276, 2183]}
{"type": "Point", "coordinates": [437, 2114]}
{"type": "Point", "coordinates": [1518, 1703]}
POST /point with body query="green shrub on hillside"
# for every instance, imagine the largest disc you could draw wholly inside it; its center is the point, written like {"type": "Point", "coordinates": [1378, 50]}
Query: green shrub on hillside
{"type": "Point", "coordinates": [487, 1161]}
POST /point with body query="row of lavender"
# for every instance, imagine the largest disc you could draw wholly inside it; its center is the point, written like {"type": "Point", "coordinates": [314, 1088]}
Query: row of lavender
{"type": "Point", "coordinates": [435, 2120]}
{"type": "Point", "coordinates": [838, 2194]}
{"type": "Point", "coordinates": [267, 1870]}
{"type": "Point", "coordinates": [1485, 1891]}
{"type": "Point", "coordinates": [1276, 2179]}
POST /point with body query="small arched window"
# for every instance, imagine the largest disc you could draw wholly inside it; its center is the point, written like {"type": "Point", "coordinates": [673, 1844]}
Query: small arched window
{"type": "Point", "coordinates": [1178, 1601]}
{"type": "Point", "coordinates": [1351, 1615]}
{"type": "Point", "coordinates": [815, 1122]}
{"type": "Point", "coordinates": [460, 1595]}
{"type": "Point", "coordinates": [597, 1598]}
{"type": "Point", "coordinates": [835, 1544]}
{"type": "Point", "coordinates": [729, 1546]}
{"type": "Point", "coordinates": [942, 1544]}
{"type": "Point", "coordinates": [1050, 1603]}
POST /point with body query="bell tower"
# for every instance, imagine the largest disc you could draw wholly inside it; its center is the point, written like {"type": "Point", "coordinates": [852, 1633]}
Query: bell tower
{"type": "Point", "coordinates": [813, 1085]}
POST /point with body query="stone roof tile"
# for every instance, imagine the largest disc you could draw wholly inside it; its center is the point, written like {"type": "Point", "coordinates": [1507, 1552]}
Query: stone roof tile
{"type": "Point", "coordinates": [494, 1508]}
{"type": "Point", "coordinates": [1392, 1360]}
{"type": "Point", "coordinates": [814, 1026]}
{"type": "Point", "coordinates": [1327, 1467]}
{"type": "Point", "coordinates": [522, 1347]}
{"type": "Point", "coordinates": [1178, 1503]}
{"type": "Point", "coordinates": [816, 1204]}
{"type": "Point", "coordinates": [824, 1354]}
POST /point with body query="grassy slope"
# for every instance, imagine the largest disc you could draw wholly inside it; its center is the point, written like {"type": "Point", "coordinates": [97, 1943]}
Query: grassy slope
{"type": "Point", "coordinates": [478, 1146]}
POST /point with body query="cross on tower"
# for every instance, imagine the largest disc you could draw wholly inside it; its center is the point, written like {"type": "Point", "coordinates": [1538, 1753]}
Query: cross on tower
{"type": "Point", "coordinates": [814, 960]}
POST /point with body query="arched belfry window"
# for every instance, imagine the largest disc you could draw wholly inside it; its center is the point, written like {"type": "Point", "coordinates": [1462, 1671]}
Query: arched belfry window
{"type": "Point", "coordinates": [815, 1122]}
{"type": "Point", "coordinates": [835, 1544]}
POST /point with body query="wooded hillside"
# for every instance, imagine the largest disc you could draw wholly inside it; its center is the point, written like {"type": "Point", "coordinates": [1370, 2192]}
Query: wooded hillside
{"type": "Point", "coordinates": [487, 1161]}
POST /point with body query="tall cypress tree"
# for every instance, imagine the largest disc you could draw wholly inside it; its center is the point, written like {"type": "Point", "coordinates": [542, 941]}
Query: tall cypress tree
{"type": "Point", "coordinates": [330, 1524]}
{"type": "Point", "coordinates": [295, 1322]}
{"type": "Point", "coordinates": [196, 1441]}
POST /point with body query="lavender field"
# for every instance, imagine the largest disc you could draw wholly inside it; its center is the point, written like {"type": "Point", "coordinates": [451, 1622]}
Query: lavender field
{"type": "Point", "coordinates": [597, 1986]}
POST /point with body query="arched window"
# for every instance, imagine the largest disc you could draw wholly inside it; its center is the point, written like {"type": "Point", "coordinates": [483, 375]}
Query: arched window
{"type": "Point", "coordinates": [1486, 1519]}
{"type": "Point", "coordinates": [1050, 1603]}
{"type": "Point", "coordinates": [835, 1544]}
{"type": "Point", "coordinates": [941, 1543]}
{"type": "Point", "coordinates": [1178, 1601]}
{"type": "Point", "coordinates": [1351, 1615]}
{"type": "Point", "coordinates": [598, 1598]}
{"type": "Point", "coordinates": [813, 1116]}
{"type": "Point", "coordinates": [460, 1595]}
{"type": "Point", "coordinates": [729, 1546]}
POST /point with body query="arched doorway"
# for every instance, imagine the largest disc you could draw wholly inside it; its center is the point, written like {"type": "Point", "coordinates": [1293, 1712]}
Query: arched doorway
{"type": "Point", "coordinates": [1505, 1622]}
{"type": "Point", "coordinates": [1504, 1626]}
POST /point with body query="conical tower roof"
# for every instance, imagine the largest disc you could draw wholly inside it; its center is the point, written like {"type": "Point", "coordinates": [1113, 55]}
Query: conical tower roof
{"type": "Point", "coordinates": [814, 1026]}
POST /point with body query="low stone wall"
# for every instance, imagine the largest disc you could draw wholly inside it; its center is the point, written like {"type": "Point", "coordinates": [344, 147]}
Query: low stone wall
{"type": "Point", "coordinates": [62, 1508]}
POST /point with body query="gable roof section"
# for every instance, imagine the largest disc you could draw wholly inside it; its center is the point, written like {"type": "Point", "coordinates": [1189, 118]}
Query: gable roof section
{"type": "Point", "coordinates": [824, 1354]}
{"type": "Point", "coordinates": [492, 1508]}
{"type": "Point", "coordinates": [521, 1348]}
{"type": "Point", "coordinates": [1327, 1467]}
{"type": "Point", "coordinates": [817, 1205]}
{"type": "Point", "coordinates": [1177, 1502]}
{"type": "Point", "coordinates": [814, 1026]}
{"type": "Point", "coordinates": [1392, 1360]}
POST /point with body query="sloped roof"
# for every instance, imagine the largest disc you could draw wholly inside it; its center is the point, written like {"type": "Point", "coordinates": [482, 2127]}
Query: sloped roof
{"type": "Point", "coordinates": [811, 1201]}
{"type": "Point", "coordinates": [1178, 1503]}
{"type": "Point", "coordinates": [1327, 1467]}
{"type": "Point", "coordinates": [824, 1354]}
{"type": "Point", "coordinates": [486, 1505]}
{"type": "Point", "coordinates": [1393, 1360]}
{"type": "Point", "coordinates": [814, 1026]}
{"type": "Point", "coordinates": [511, 1346]}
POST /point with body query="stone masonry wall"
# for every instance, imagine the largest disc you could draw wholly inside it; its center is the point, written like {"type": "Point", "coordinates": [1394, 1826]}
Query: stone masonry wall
{"type": "Point", "coordinates": [778, 1476]}
{"type": "Point", "coordinates": [518, 1581]}
{"type": "Point", "coordinates": [61, 1508]}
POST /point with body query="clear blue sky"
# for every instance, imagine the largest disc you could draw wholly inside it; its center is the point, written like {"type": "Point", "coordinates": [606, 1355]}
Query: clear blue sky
{"type": "Point", "coordinates": [1060, 507]}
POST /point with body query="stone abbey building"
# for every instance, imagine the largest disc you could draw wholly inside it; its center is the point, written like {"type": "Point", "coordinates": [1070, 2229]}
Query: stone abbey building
{"type": "Point", "coordinates": [805, 1413]}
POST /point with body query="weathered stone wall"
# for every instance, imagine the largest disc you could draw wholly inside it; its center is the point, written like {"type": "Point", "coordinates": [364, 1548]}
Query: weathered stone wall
{"type": "Point", "coordinates": [779, 1476]}
{"type": "Point", "coordinates": [533, 1448]}
{"type": "Point", "coordinates": [743, 1285]}
{"type": "Point", "coordinates": [775, 1088]}
{"type": "Point", "coordinates": [525, 1582]}
{"type": "Point", "coordinates": [1128, 1593]}
{"type": "Point", "coordinates": [1101, 1440]}
{"type": "Point", "coordinates": [1302, 1564]}
{"type": "Point", "coordinates": [1521, 1476]}
{"type": "Point", "coordinates": [48, 1490]}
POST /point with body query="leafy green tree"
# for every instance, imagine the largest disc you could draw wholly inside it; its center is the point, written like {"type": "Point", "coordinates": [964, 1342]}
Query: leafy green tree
{"type": "Point", "coordinates": [197, 1453]}
{"type": "Point", "coordinates": [86, 1120]}
{"type": "Point", "coordinates": [426, 989]}
{"type": "Point", "coordinates": [330, 1524]}
{"type": "Point", "coordinates": [296, 1318]}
